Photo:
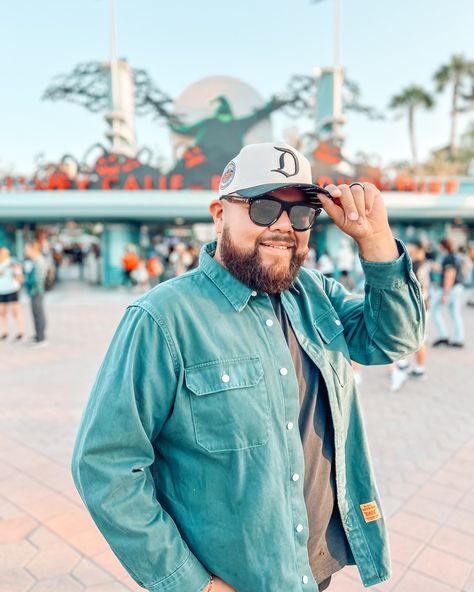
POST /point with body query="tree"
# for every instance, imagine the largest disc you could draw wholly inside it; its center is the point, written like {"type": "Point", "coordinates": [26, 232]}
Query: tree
{"type": "Point", "coordinates": [88, 85]}
{"type": "Point", "coordinates": [409, 100]}
{"type": "Point", "coordinates": [459, 73]}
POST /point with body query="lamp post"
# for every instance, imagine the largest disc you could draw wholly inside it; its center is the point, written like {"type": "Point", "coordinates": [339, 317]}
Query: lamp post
{"type": "Point", "coordinates": [113, 74]}
{"type": "Point", "coordinates": [332, 113]}
{"type": "Point", "coordinates": [120, 118]}
{"type": "Point", "coordinates": [338, 70]}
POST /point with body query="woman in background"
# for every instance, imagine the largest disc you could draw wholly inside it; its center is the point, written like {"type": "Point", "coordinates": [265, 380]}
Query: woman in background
{"type": "Point", "coordinates": [11, 278]}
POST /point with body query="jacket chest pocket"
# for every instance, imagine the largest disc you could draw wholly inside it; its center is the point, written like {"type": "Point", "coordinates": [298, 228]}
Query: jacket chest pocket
{"type": "Point", "coordinates": [330, 330]}
{"type": "Point", "coordinates": [229, 404]}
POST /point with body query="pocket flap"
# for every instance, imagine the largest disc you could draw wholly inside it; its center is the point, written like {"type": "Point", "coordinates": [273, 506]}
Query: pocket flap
{"type": "Point", "coordinates": [328, 326]}
{"type": "Point", "coordinates": [224, 375]}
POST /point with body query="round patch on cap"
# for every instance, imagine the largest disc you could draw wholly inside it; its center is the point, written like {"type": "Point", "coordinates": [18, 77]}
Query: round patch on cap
{"type": "Point", "coordinates": [228, 175]}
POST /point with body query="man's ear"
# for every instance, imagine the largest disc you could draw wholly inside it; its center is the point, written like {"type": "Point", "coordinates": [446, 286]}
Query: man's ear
{"type": "Point", "coordinates": [216, 207]}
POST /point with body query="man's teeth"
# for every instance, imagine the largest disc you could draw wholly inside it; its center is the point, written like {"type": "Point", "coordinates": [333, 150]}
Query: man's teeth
{"type": "Point", "coordinates": [275, 246]}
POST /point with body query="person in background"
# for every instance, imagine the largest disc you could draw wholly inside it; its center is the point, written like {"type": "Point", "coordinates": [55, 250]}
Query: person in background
{"type": "Point", "coordinates": [345, 258]}
{"type": "Point", "coordinates": [310, 261]}
{"type": "Point", "coordinates": [346, 280]}
{"type": "Point", "coordinates": [179, 259]}
{"type": "Point", "coordinates": [36, 269]}
{"type": "Point", "coordinates": [92, 265]}
{"type": "Point", "coordinates": [326, 265]}
{"type": "Point", "coordinates": [11, 277]}
{"type": "Point", "coordinates": [449, 293]}
{"type": "Point", "coordinates": [130, 262]}
{"type": "Point", "coordinates": [57, 254]}
{"type": "Point", "coordinates": [193, 255]}
{"type": "Point", "coordinates": [154, 268]}
{"type": "Point", "coordinates": [140, 277]}
{"type": "Point", "coordinates": [421, 267]}
{"type": "Point", "coordinates": [465, 263]}
{"type": "Point", "coordinates": [470, 299]}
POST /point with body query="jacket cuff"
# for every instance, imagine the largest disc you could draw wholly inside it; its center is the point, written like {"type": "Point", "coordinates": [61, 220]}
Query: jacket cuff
{"type": "Point", "coordinates": [190, 576]}
{"type": "Point", "coordinates": [388, 274]}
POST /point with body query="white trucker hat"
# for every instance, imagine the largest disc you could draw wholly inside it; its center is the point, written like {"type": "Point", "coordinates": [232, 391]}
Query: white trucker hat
{"type": "Point", "coordinates": [261, 168]}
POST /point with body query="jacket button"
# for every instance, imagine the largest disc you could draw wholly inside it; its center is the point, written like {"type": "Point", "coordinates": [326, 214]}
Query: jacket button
{"type": "Point", "coordinates": [253, 293]}
{"type": "Point", "coordinates": [299, 528]}
{"type": "Point", "coordinates": [225, 378]}
{"type": "Point", "coordinates": [289, 425]}
{"type": "Point", "coordinates": [338, 322]}
{"type": "Point", "coordinates": [269, 323]}
{"type": "Point", "coordinates": [295, 477]}
{"type": "Point", "coordinates": [304, 579]}
{"type": "Point", "coordinates": [283, 371]}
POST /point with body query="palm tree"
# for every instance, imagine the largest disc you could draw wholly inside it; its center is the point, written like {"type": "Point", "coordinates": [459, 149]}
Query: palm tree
{"type": "Point", "coordinates": [459, 72]}
{"type": "Point", "coordinates": [411, 99]}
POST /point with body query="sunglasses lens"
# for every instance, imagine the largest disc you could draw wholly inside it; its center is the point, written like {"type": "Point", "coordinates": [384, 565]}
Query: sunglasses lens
{"type": "Point", "coordinates": [302, 217]}
{"type": "Point", "coordinates": [264, 211]}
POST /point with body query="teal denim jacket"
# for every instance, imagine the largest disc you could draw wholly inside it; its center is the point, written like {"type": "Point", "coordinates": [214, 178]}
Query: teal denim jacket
{"type": "Point", "coordinates": [188, 443]}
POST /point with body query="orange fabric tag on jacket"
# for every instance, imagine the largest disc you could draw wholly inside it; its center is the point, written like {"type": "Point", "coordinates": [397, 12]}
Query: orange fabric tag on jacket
{"type": "Point", "coordinates": [370, 511]}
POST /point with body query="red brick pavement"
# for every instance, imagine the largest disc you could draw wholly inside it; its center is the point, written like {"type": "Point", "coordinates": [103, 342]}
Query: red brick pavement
{"type": "Point", "coordinates": [48, 542]}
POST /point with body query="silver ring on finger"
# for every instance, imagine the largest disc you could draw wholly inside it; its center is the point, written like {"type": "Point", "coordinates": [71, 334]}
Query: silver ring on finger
{"type": "Point", "coordinates": [357, 183]}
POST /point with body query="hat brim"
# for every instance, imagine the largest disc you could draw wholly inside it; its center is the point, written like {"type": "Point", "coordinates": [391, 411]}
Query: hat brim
{"type": "Point", "coordinates": [309, 189]}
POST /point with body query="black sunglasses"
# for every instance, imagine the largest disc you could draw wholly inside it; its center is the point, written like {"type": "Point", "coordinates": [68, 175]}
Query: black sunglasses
{"type": "Point", "coordinates": [265, 211]}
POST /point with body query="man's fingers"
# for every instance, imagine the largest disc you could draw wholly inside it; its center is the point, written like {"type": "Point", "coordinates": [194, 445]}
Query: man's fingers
{"type": "Point", "coordinates": [352, 204]}
{"type": "Point", "coordinates": [358, 194]}
{"type": "Point", "coordinates": [333, 190]}
{"type": "Point", "coordinates": [334, 211]}
{"type": "Point", "coordinates": [370, 194]}
{"type": "Point", "coordinates": [348, 202]}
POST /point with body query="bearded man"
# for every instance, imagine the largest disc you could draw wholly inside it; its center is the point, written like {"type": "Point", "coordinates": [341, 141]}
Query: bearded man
{"type": "Point", "coordinates": [223, 447]}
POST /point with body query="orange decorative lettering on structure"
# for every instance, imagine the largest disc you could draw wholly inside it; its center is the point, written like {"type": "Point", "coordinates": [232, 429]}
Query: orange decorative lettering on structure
{"type": "Point", "coordinates": [370, 511]}
{"type": "Point", "coordinates": [434, 186]}
{"type": "Point", "coordinates": [176, 182]}
{"type": "Point", "coordinates": [452, 185]}
{"type": "Point", "coordinates": [83, 183]}
{"type": "Point", "coordinates": [106, 182]}
{"type": "Point", "coordinates": [131, 184]}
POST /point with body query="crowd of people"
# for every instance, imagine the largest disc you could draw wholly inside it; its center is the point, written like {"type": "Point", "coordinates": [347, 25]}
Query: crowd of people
{"type": "Point", "coordinates": [36, 273]}
{"type": "Point", "coordinates": [169, 257]}
{"type": "Point", "coordinates": [445, 273]}
{"type": "Point", "coordinates": [32, 275]}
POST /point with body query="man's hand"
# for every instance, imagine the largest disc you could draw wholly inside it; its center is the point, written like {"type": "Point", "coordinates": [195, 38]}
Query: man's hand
{"type": "Point", "coordinates": [219, 586]}
{"type": "Point", "coordinates": [361, 214]}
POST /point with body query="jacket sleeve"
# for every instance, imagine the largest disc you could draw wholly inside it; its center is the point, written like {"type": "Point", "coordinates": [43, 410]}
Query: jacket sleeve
{"type": "Point", "coordinates": [387, 323]}
{"type": "Point", "coordinates": [130, 401]}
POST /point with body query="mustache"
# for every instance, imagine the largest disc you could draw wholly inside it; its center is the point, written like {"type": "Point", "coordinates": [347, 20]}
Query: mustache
{"type": "Point", "coordinates": [281, 238]}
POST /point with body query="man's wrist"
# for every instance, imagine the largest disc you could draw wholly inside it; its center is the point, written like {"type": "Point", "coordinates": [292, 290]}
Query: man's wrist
{"type": "Point", "coordinates": [379, 247]}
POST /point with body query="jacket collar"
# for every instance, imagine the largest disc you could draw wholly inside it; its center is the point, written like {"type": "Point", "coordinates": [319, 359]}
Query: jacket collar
{"type": "Point", "coordinates": [237, 293]}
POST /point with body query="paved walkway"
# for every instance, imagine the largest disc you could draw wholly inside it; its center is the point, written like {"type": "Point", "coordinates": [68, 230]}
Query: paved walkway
{"type": "Point", "coordinates": [422, 439]}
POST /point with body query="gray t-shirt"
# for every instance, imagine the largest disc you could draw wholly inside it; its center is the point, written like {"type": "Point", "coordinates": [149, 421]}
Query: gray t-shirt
{"type": "Point", "coordinates": [328, 547]}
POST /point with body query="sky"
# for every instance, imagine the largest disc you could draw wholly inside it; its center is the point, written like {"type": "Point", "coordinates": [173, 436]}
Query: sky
{"type": "Point", "coordinates": [386, 46]}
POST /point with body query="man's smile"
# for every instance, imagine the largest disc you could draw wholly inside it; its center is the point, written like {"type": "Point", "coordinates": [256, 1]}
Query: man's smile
{"type": "Point", "coordinates": [281, 247]}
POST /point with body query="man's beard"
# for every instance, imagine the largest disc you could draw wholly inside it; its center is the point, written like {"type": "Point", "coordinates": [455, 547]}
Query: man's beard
{"type": "Point", "coordinates": [249, 269]}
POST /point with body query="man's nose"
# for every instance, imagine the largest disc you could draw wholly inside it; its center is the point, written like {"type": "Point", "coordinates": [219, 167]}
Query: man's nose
{"type": "Point", "coordinates": [283, 223]}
